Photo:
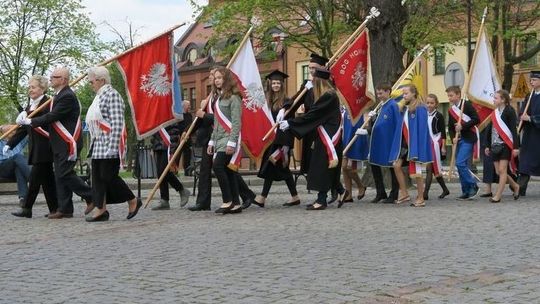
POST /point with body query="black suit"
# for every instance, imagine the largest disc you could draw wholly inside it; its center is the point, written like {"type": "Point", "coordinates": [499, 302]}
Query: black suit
{"type": "Point", "coordinates": [41, 159]}
{"type": "Point", "coordinates": [467, 131]}
{"type": "Point", "coordinates": [66, 110]}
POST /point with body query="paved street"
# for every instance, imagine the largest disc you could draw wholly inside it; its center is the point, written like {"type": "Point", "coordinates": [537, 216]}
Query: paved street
{"type": "Point", "coordinates": [447, 252]}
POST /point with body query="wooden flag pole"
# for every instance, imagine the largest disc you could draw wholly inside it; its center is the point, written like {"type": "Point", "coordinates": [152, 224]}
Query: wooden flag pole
{"type": "Point", "coordinates": [525, 111]}
{"type": "Point", "coordinates": [374, 12]}
{"type": "Point", "coordinates": [187, 135]}
{"type": "Point", "coordinates": [394, 87]}
{"type": "Point", "coordinates": [465, 89]}
{"type": "Point", "coordinates": [82, 76]}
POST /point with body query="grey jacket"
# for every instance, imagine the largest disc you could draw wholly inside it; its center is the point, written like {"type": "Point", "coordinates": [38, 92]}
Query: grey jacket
{"type": "Point", "coordinates": [231, 108]}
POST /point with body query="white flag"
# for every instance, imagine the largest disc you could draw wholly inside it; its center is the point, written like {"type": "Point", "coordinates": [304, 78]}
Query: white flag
{"type": "Point", "coordinates": [483, 77]}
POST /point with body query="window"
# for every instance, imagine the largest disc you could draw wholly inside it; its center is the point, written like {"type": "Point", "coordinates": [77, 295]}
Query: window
{"type": "Point", "coordinates": [184, 93]}
{"type": "Point", "coordinates": [192, 55]}
{"type": "Point", "coordinates": [305, 72]}
{"type": "Point", "coordinates": [192, 97]}
{"type": "Point", "coordinates": [438, 61]}
{"type": "Point", "coordinates": [528, 41]}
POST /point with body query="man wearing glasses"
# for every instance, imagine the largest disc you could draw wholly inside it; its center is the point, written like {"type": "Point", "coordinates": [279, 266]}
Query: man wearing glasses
{"type": "Point", "coordinates": [66, 142]}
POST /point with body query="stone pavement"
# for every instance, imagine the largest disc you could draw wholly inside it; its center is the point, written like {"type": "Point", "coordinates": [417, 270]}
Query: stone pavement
{"type": "Point", "coordinates": [447, 252]}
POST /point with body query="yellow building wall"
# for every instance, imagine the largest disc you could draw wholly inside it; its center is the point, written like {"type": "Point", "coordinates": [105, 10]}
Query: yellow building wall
{"type": "Point", "coordinates": [435, 83]}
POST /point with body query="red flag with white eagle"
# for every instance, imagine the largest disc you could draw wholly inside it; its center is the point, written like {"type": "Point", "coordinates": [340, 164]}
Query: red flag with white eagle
{"type": "Point", "coordinates": [152, 85]}
{"type": "Point", "coordinates": [257, 119]}
{"type": "Point", "coordinates": [352, 75]}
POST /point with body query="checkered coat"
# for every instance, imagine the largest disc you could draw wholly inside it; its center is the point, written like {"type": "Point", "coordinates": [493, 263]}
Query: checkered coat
{"type": "Point", "coordinates": [111, 106]}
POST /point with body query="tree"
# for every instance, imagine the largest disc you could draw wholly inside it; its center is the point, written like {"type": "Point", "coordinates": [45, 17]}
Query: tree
{"type": "Point", "coordinates": [512, 22]}
{"type": "Point", "coordinates": [38, 34]}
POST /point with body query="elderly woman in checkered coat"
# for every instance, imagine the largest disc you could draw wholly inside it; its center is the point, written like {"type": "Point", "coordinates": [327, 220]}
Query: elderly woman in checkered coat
{"type": "Point", "coordinates": [105, 120]}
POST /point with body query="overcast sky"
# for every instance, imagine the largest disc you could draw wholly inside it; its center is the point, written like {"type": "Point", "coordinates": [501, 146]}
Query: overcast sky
{"type": "Point", "coordinates": [149, 17]}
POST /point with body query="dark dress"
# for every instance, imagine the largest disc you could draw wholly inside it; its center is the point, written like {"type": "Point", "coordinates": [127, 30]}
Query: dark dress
{"type": "Point", "coordinates": [307, 141]}
{"type": "Point", "coordinates": [324, 112]}
{"type": "Point", "coordinates": [276, 172]}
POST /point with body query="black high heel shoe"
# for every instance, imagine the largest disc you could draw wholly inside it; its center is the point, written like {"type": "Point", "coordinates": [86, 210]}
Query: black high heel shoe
{"type": "Point", "coordinates": [100, 218]}
{"type": "Point", "coordinates": [342, 198]}
{"type": "Point", "coordinates": [132, 214]}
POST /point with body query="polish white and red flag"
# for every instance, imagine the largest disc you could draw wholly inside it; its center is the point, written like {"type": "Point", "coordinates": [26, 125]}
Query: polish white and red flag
{"type": "Point", "coordinates": [152, 85]}
{"type": "Point", "coordinates": [257, 118]}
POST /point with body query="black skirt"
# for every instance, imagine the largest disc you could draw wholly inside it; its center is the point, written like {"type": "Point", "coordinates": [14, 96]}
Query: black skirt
{"type": "Point", "coordinates": [270, 171]}
{"type": "Point", "coordinates": [500, 152]}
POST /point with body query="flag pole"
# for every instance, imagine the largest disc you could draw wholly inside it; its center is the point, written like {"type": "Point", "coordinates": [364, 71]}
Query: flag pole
{"type": "Point", "coordinates": [394, 87]}
{"type": "Point", "coordinates": [465, 89]}
{"type": "Point", "coordinates": [373, 13]}
{"type": "Point", "coordinates": [525, 112]}
{"type": "Point", "coordinates": [187, 135]}
{"type": "Point", "coordinates": [82, 76]}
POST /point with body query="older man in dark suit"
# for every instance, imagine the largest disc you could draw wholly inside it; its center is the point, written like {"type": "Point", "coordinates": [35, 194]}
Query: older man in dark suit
{"type": "Point", "coordinates": [66, 143]}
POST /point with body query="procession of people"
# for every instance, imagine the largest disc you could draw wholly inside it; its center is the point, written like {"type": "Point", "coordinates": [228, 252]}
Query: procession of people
{"type": "Point", "coordinates": [405, 137]}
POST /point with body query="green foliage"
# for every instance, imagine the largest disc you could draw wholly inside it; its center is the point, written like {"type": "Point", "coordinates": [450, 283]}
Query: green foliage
{"type": "Point", "coordinates": [36, 35]}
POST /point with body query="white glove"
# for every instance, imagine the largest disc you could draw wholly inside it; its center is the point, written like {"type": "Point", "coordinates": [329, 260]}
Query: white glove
{"type": "Point", "coordinates": [371, 114]}
{"type": "Point", "coordinates": [21, 118]}
{"type": "Point", "coordinates": [309, 85]}
{"type": "Point", "coordinates": [280, 115]}
{"type": "Point", "coordinates": [283, 125]}
{"type": "Point", "coordinates": [361, 131]}
{"type": "Point", "coordinates": [5, 150]}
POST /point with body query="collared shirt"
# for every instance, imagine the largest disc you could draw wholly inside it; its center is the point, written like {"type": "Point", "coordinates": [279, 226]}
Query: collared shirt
{"type": "Point", "coordinates": [14, 151]}
{"type": "Point", "coordinates": [35, 102]}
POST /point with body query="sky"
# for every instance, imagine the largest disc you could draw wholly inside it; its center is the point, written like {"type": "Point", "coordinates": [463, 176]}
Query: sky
{"type": "Point", "coordinates": [148, 17]}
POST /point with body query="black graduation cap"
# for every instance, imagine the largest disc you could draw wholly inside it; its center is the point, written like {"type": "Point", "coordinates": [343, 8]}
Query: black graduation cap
{"type": "Point", "coordinates": [316, 58]}
{"type": "Point", "coordinates": [322, 73]}
{"type": "Point", "coordinates": [535, 74]}
{"type": "Point", "coordinates": [277, 75]}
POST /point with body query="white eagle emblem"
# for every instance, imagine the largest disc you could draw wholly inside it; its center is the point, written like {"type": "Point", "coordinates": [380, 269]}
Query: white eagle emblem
{"type": "Point", "coordinates": [255, 98]}
{"type": "Point", "coordinates": [359, 76]}
{"type": "Point", "coordinates": [156, 82]}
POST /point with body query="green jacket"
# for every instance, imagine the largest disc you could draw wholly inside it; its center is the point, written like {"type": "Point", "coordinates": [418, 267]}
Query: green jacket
{"type": "Point", "coordinates": [232, 109]}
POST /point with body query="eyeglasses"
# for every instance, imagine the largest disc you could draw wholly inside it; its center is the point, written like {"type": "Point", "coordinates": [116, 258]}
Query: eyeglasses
{"type": "Point", "coordinates": [56, 77]}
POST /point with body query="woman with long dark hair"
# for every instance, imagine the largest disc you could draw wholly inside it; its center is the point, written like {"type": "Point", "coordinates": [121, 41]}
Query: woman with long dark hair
{"type": "Point", "coordinates": [224, 144]}
{"type": "Point", "coordinates": [275, 161]}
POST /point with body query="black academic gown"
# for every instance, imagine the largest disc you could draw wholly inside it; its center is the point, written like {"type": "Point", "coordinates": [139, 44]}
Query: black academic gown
{"type": "Point", "coordinates": [324, 112]}
{"type": "Point", "coordinates": [268, 170]}
{"type": "Point", "coordinates": [529, 160]}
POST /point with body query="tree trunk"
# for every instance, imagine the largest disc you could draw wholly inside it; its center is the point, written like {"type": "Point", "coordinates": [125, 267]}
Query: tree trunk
{"type": "Point", "coordinates": [508, 75]}
{"type": "Point", "coordinates": [385, 38]}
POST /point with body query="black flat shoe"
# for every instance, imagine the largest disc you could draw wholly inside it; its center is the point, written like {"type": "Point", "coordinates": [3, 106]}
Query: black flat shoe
{"type": "Point", "coordinates": [289, 204]}
{"type": "Point", "coordinates": [444, 194]}
{"type": "Point", "coordinates": [377, 199]}
{"type": "Point", "coordinates": [132, 214]}
{"type": "Point", "coordinates": [312, 207]}
{"type": "Point", "coordinates": [494, 200]}
{"type": "Point", "coordinates": [486, 195]}
{"type": "Point", "coordinates": [100, 218]}
{"type": "Point", "coordinates": [198, 208]}
{"type": "Point", "coordinates": [223, 210]}
{"type": "Point", "coordinates": [23, 212]}
{"type": "Point", "coordinates": [247, 203]}
{"type": "Point", "coordinates": [236, 209]}
{"type": "Point", "coordinates": [258, 204]}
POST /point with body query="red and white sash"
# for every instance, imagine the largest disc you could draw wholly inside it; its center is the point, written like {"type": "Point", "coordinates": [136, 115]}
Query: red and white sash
{"type": "Point", "coordinates": [226, 124]}
{"type": "Point", "coordinates": [166, 141]}
{"type": "Point", "coordinates": [455, 111]}
{"type": "Point", "coordinates": [436, 144]}
{"type": "Point", "coordinates": [505, 134]}
{"type": "Point", "coordinates": [330, 143]}
{"type": "Point", "coordinates": [41, 132]}
{"type": "Point", "coordinates": [415, 168]}
{"type": "Point", "coordinates": [122, 146]}
{"type": "Point", "coordinates": [70, 139]}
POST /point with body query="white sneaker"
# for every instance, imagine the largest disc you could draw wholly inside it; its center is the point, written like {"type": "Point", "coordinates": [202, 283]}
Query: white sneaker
{"type": "Point", "coordinates": [184, 197]}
